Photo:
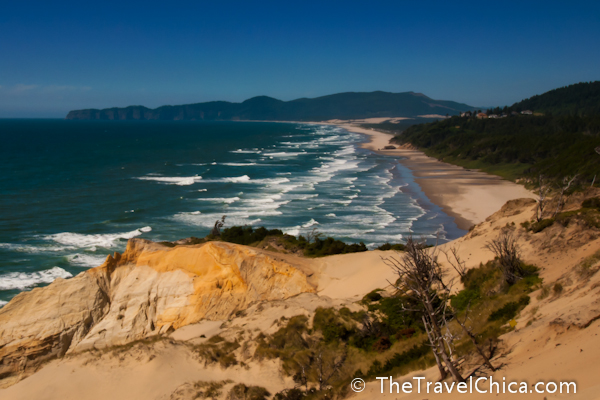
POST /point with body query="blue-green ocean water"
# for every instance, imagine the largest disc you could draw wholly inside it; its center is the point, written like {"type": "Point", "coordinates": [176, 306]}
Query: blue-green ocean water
{"type": "Point", "coordinates": [72, 192]}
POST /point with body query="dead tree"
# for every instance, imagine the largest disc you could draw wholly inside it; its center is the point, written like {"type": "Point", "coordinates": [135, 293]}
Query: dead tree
{"type": "Point", "coordinates": [327, 364]}
{"type": "Point", "coordinates": [216, 230]}
{"type": "Point", "coordinates": [460, 266]}
{"type": "Point", "coordinates": [455, 261]}
{"type": "Point", "coordinates": [434, 347]}
{"type": "Point", "coordinates": [507, 253]}
{"type": "Point", "coordinates": [544, 189]}
{"type": "Point", "coordinates": [473, 338]}
{"type": "Point", "coordinates": [560, 201]}
{"type": "Point", "coordinates": [313, 235]}
{"type": "Point", "coordinates": [420, 279]}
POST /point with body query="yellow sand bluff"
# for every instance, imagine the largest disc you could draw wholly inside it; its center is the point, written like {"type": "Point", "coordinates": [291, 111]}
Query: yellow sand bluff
{"type": "Point", "coordinates": [148, 290]}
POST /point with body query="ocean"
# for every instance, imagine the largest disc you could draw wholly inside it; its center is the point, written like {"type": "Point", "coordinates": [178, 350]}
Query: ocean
{"type": "Point", "coordinates": [72, 192]}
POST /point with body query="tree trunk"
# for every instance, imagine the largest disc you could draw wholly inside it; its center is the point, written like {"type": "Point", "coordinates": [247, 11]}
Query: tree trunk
{"type": "Point", "coordinates": [438, 334]}
{"type": "Point", "coordinates": [479, 349]}
{"type": "Point", "coordinates": [434, 346]}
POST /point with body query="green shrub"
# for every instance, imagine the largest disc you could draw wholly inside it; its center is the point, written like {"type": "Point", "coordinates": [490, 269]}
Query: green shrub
{"type": "Point", "coordinates": [405, 333]}
{"type": "Point", "coordinates": [331, 326]}
{"type": "Point", "coordinates": [588, 216]}
{"type": "Point", "coordinates": [388, 246]}
{"type": "Point", "coordinates": [557, 288]}
{"type": "Point", "coordinates": [200, 390]}
{"type": "Point", "coordinates": [358, 316]}
{"type": "Point", "coordinates": [544, 292]}
{"type": "Point", "coordinates": [243, 392]}
{"type": "Point", "coordinates": [331, 246]}
{"type": "Point", "coordinates": [372, 296]}
{"type": "Point", "coordinates": [246, 235]}
{"type": "Point", "coordinates": [594, 202]}
{"type": "Point", "coordinates": [289, 394]}
{"type": "Point", "coordinates": [541, 225]}
{"type": "Point", "coordinates": [461, 300]}
{"type": "Point", "coordinates": [398, 360]}
{"type": "Point", "coordinates": [588, 267]}
{"type": "Point", "coordinates": [291, 334]}
{"type": "Point", "coordinates": [382, 344]}
{"type": "Point", "coordinates": [218, 350]}
{"type": "Point", "coordinates": [509, 310]}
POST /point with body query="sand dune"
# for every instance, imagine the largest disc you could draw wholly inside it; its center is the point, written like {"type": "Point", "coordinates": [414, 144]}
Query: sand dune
{"type": "Point", "coordinates": [559, 344]}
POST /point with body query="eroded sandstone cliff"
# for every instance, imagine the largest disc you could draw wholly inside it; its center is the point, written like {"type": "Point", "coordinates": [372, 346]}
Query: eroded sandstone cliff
{"type": "Point", "coordinates": [148, 290]}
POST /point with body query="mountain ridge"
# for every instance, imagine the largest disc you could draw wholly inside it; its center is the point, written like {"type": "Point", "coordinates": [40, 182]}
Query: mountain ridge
{"type": "Point", "coordinates": [347, 105]}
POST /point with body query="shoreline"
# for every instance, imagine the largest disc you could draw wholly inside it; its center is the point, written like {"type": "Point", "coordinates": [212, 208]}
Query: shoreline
{"type": "Point", "coordinates": [468, 196]}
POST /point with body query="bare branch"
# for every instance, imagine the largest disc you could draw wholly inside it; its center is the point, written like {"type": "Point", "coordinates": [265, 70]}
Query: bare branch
{"type": "Point", "coordinates": [420, 277]}
{"type": "Point", "coordinates": [543, 190]}
{"type": "Point", "coordinates": [507, 252]}
{"type": "Point", "coordinates": [455, 262]}
{"type": "Point", "coordinates": [566, 184]}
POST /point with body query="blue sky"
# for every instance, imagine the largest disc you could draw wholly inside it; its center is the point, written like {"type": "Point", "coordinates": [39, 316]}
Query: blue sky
{"type": "Point", "coordinates": [55, 57]}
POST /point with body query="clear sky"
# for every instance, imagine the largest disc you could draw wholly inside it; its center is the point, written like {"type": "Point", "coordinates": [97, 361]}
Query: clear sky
{"type": "Point", "coordinates": [58, 56]}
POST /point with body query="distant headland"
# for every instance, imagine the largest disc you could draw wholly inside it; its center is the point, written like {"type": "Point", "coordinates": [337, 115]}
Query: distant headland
{"type": "Point", "coordinates": [350, 105]}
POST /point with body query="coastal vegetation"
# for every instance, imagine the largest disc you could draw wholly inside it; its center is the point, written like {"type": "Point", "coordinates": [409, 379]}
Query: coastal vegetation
{"type": "Point", "coordinates": [587, 216]}
{"type": "Point", "coordinates": [578, 99]}
{"type": "Point", "coordinates": [558, 139]}
{"type": "Point", "coordinates": [313, 244]}
{"type": "Point", "coordinates": [514, 147]}
{"type": "Point", "coordinates": [390, 334]}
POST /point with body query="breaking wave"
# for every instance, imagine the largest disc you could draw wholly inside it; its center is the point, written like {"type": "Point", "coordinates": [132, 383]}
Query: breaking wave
{"type": "Point", "coordinates": [24, 280]}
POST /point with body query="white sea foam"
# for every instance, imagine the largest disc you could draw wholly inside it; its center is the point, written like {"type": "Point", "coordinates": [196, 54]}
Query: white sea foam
{"type": "Point", "coordinates": [248, 164]}
{"type": "Point", "coordinates": [86, 260]}
{"type": "Point", "coordinates": [332, 215]}
{"type": "Point", "coordinates": [242, 151]}
{"type": "Point", "coordinates": [231, 179]}
{"type": "Point", "coordinates": [267, 199]}
{"type": "Point", "coordinates": [344, 202]}
{"type": "Point", "coordinates": [310, 223]}
{"type": "Point", "coordinates": [226, 200]}
{"type": "Point", "coordinates": [3, 303]}
{"type": "Point", "coordinates": [89, 240]}
{"type": "Point", "coordinates": [272, 181]}
{"type": "Point", "coordinates": [203, 190]}
{"type": "Point", "coordinates": [208, 220]}
{"type": "Point", "coordinates": [295, 231]}
{"type": "Point", "coordinates": [24, 280]}
{"type": "Point", "coordinates": [282, 154]}
{"type": "Point", "coordinates": [172, 180]}
{"type": "Point", "coordinates": [25, 248]}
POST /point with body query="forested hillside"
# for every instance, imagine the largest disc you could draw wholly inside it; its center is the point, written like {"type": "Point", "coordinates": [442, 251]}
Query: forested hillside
{"type": "Point", "coordinates": [514, 147]}
{"type": "Point", "coordinates": [558, 140]}
{"type": "Point", "coordinates": [578, 99]}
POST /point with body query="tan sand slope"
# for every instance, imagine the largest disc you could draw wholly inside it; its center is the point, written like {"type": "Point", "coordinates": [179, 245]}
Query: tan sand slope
{"type": "Point", "coordinates": [556, 337]}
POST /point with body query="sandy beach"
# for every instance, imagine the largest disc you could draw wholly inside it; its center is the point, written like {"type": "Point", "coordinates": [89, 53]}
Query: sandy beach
{"type": "Point", "coordinates": [466, 195]}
